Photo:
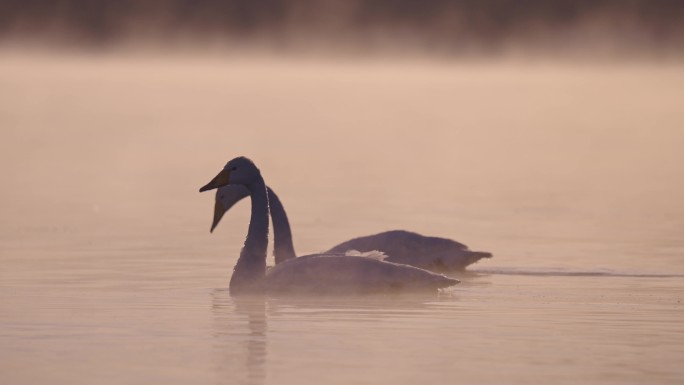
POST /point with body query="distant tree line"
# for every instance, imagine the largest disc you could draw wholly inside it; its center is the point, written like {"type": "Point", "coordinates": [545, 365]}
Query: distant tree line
{"type": "Point", "coordinates": [445, 23]}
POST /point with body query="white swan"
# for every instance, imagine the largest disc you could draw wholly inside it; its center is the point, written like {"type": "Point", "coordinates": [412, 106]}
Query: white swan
{"type": "Point", "coordinates": [432, 253]}
{"type": "Point", "coordinates": [314, 274]}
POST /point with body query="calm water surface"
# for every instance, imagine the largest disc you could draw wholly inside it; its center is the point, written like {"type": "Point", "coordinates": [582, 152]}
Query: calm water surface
{"type": "Point", "coordinates": [570, 175]}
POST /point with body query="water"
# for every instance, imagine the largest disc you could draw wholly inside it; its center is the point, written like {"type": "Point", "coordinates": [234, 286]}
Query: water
{"type": "Point", "coordinates": [570, 175]}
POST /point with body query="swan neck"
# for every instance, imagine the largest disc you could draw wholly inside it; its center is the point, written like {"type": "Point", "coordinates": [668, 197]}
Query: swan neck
{"type": "Point", "coordinates": [257, 234]}
{"type": "Point", "coordinates": [283, 248]}
{"type": "Point", "coordinates": [251, 266]}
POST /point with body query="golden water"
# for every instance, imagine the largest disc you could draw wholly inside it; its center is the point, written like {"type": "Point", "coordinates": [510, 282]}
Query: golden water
{"type": "Point", "coordinates": [570, 175]}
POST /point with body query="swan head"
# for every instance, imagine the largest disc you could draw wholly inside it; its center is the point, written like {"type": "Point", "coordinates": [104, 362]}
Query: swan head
{"type": "Point", "coordinates": [240, 171]}
{"type": "Point", "coordinates": [226, 197]}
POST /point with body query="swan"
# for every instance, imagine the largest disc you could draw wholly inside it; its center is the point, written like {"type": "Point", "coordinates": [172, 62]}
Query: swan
{"type": "Point", "coordinates": [431, 253]}
{"type": "Point", "coordinates": [312, 274]}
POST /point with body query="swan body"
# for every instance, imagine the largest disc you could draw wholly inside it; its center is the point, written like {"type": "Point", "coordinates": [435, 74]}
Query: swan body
{"type": "Point", "coordinates": [432, 253]}
{"type": "Point", "coordinates": [331, 274]}
{"type": "Point", "coordinates": [314, 274]}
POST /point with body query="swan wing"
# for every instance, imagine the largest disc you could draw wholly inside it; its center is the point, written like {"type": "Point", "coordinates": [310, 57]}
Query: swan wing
{"type": "Point", "coordinates": [405, 247]}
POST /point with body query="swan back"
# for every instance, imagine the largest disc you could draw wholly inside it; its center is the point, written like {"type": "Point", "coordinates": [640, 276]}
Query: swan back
{"type": "Point", "coordinates": [432, 253]}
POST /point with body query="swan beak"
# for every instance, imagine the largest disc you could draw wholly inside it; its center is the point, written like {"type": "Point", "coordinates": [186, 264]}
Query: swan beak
{"type": "Point", "coordinates": [222, 179]}
{"type": "Point", "coordinates": [219, 210]}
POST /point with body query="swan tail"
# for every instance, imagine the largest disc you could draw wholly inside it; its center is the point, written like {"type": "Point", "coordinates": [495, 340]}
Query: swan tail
{"type": "Point", "coordinates": [477, 255]}
{"type": "Point", "coordinates": [470, 258]}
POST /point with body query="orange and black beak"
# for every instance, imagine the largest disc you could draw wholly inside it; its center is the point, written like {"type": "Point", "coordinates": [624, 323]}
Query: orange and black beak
{"type": "Point", "coordinates": [219, 210]}
{"type": "Point", "coordinates": [222, 179]}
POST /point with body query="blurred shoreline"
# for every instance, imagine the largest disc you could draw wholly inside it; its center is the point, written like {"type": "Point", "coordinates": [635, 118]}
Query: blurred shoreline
{"type": "Point", "coordinates": [17, 57]}
{"type": "Point", "coordinates": [21, 50]}
{"type": "Point", "coordinates": [579, 30]}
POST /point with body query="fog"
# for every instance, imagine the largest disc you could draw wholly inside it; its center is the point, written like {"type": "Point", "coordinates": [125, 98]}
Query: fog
{"type": "Point", "coordinates": [546, 133]}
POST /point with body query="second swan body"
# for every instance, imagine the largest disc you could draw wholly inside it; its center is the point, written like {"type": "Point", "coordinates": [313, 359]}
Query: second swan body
{"type": "Point", "coordinates": [432, 253]}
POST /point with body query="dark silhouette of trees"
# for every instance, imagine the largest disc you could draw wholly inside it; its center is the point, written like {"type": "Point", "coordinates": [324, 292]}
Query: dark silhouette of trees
{"type": "Point", "coordinates": [447, 23]}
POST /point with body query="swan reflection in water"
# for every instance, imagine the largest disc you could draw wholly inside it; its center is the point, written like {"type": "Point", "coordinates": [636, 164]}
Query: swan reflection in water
{"type": "Point", "coordinates": [240, 338]}
{"type": "Point", "coordinates": [247, 330]}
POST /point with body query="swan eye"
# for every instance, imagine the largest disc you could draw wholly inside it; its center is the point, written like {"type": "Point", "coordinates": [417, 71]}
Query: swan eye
{"type": "Point", "coordinates": [233, 168]}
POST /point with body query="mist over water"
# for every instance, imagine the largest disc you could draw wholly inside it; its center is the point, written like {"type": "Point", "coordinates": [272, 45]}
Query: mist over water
{"type": "Point", "coordinates": [568, 171]}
